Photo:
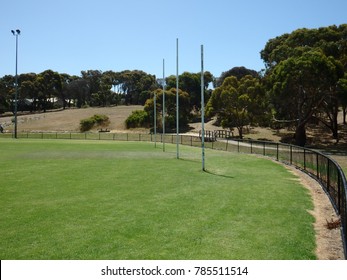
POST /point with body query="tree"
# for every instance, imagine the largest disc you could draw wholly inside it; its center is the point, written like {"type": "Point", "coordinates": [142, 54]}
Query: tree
{"type": "Point", "coordinates": [49, 85]}
{"type": "Point", "coordinates": [330, 40]}
{"type": "Point", "coordinates": [342, 95]}
{"type": "Point", "coordinates": [78, 90]}
{"type": "Point", "coordinates": [238, 72]}
{"type": "Point", "coordinates": [28, 89]}
{"type": "Point", "coordinates": [237, 103]}
{"type": "Point", "coordinates": [7, 89]}
{"type": "Point", "coordinates": [330, 48]}
{"type": "Point", "coordinates": [170, 108]}
{"type": "Point", "coordinates": [300, 87]}
{"type": "Point", "coordinates": [65, 95]}
{"type": "Point", "coordinates": [191, 83]}
{"type": "Point", "coordinates": [135, 82]}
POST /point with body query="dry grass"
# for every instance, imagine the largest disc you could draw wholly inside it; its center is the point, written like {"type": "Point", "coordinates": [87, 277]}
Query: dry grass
{"type": "Point", "coordinates": [69, 119]}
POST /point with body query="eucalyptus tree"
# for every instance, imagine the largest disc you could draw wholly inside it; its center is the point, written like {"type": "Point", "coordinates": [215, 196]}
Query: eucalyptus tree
{"type": "Point", "coordinates": [301, 86]}
{"type": "Point", "coordinates": [342, 95]}
{"type": "Point", "coordinates": [7, 89]}
{"type": "Point", "coordinates": [238, 103]}
{"type": "Point", "coordinates": [48, 85]}
{"type": "Point", "coordinates": [28, 89]}
{"type": "Point", "coordinates": [191, 83]}
{"type": "Point", "coordinates": [170, 108]}
{"type": "Point", "coordinates": [238, 72]}
{"type": "Point", "coordinates": [304, 68]}
{"type": "Point", "coordinates": [133, 83]}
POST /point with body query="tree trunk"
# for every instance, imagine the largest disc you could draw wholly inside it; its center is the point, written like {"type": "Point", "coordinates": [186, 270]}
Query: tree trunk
{"type": "Point", "coordinates": [300, 135]}
{"type": "Point", "coordinates": [240, 129]}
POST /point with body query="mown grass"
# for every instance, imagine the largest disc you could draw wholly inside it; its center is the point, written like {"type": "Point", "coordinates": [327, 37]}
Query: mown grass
{"type": "Point", "coordinates": [63, 199]}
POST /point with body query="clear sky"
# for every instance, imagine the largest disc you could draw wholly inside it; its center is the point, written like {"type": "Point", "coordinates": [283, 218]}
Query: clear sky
{"type": "Point", "coordinates": [73, 35]}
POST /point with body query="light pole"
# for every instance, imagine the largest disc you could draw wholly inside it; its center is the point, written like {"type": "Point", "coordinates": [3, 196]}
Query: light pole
{"type": "Point", "coordinates": [16, 33]}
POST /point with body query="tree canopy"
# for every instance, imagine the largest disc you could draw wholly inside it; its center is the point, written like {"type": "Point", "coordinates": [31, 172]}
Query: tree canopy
{"type": "Point", "coordinates": [303, 73]}
{"type": "Point", "coordinates": [238, 103]}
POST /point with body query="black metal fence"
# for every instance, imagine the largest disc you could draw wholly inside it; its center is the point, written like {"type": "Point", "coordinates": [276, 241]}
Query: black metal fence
{"type": "Point", "coordinates": [323, 168]}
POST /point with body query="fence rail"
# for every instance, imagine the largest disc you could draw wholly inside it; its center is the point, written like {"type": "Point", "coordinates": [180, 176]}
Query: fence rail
{"type": "Point", "coordinates": [323, 168]}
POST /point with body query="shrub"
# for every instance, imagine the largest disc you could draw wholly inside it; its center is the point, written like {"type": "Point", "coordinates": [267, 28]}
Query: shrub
{"type": "Point", "coordinates": [96, 120]}
{"type": "Point", "coordinates": [101, 119]}
{"type": "Point", "coordinates": [138, 118]}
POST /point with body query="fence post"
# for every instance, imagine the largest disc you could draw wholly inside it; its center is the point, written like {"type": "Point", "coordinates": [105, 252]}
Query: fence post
{"type": "Point", "coordinates": [264, 143]}
{"type": "Point", "coordinates": [339, 192]}
{"type": "Point", "coordinates": [317, 164]}
{"type": "Point", "coordinates": [226, 147]}
{"type": "Point", "coordinates": [291, 154]}
{"type": "Point", "coordinates": [304, 159]}
{"type": "Point", "coordinates": [277, 155]}
{"type": "Point", "coordinates": [251, 146]}
{"type": "Point", "coordinates": [328, 176]}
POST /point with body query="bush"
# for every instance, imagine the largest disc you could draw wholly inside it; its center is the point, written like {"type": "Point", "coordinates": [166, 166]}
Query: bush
{"type": "Point", "coordinates": [101, 119]}
{"type": "Point", "coordinates": [138, 118]}
{"type": "Point", "coordinates": [96, 120]}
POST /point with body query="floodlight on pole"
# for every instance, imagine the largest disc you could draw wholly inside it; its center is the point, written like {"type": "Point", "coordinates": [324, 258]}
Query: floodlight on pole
{"type": "Point", "coordinates": [16, 33]}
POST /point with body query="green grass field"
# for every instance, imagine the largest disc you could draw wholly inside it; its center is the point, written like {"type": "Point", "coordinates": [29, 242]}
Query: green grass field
{"type": "Point", "coordinates": [63, 199]}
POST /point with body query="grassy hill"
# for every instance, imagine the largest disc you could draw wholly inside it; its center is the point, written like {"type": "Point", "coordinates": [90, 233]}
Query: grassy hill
{"type": "Point", "coordinates": [69, 119]}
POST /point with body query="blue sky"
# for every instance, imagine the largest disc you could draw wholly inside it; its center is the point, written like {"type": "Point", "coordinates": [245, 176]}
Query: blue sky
{"type": "Point", "coordinates": [73, 35]}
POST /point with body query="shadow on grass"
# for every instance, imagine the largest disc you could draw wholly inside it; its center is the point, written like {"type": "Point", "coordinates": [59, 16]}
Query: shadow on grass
{"type": "Point", "coordinates": [211, 172]}
{"type": "Point", "coordinates": [219, 175]}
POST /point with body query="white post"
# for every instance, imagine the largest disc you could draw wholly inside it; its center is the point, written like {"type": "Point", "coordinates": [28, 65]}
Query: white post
{"type": "Point", "coordinates": [177, 105]}
{"type": "Point", "coordinates": [155, 120]}
{"type": "Point", "coordinates": [163, 105]}
{"type": "Point", "coordinates": [202, 110]}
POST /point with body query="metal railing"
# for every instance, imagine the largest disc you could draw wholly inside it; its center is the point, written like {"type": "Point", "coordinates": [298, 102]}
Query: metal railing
{"type": "Point", "coordinates": [323, 168]}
